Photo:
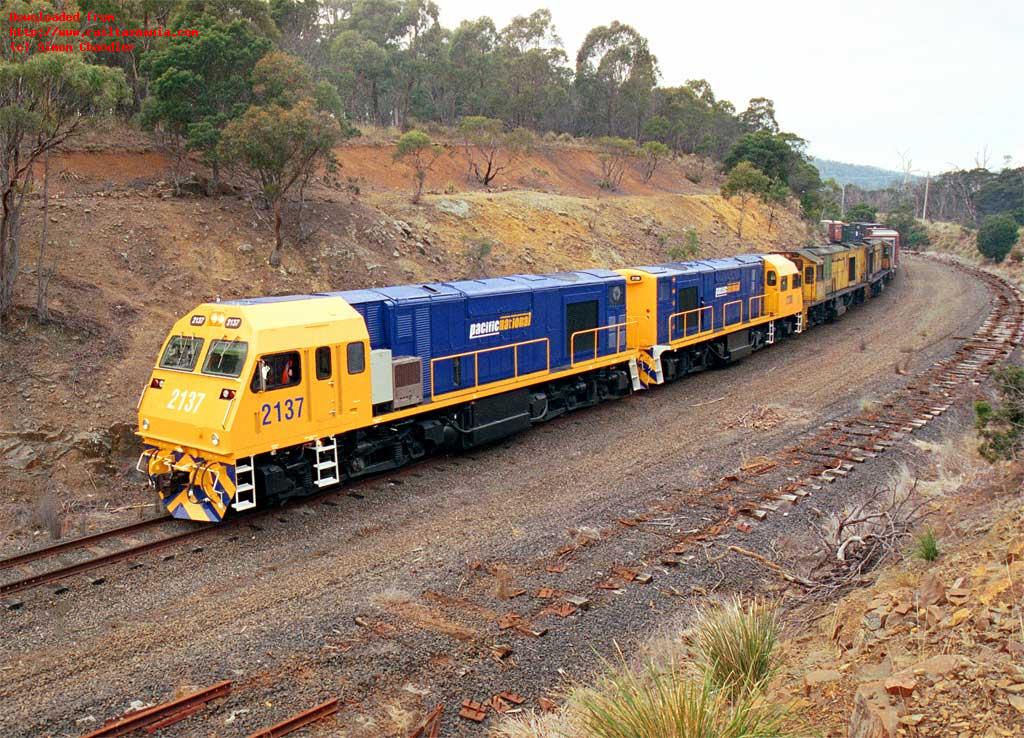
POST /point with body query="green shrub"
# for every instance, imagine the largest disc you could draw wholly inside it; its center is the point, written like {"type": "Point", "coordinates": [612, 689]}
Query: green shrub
{"type": "Point", "coordinates": [862, 213]}
{"type": "Point", "coordinates": [736, 644]}
{"type": "Point", "coordinates": [687, 250]}
{"type": "Point", "coordinates": [996, 237]}
{"type": "Point", "coordinates": [927, 546]}
{"type": "Point", "coordinates": [1001, 424]}
{"type": "Point", "coordinates": [917, 237]}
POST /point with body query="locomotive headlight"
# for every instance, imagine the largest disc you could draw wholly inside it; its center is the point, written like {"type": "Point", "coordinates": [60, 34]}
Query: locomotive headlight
{"type": "Point", "coordinates": [215, 439]}
{"type": "Point", "coordinates": [217, 319]}
{"type": "Point", "coordinates": [145, 424]}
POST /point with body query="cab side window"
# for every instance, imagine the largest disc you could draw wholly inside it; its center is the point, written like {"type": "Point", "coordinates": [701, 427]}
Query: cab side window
{"type": "Point", "coordinates": [771, 279]}
{"type": "Point", "coordinates": [809, 275]}
{"type": "Point", "coordinates": [784, 284]}
{"type": "Point", "coordinates": [355, 354]}
{"type": "Point", "coordinates": [796, 281]}
{"type": "Point", "coordinates": [277, 371]}
{"type": "Point", "coordinates": [323, 362]}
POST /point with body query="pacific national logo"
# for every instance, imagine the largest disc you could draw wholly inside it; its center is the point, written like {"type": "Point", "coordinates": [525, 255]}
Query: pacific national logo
{"type": "Point", "coordinates": [504, 323]}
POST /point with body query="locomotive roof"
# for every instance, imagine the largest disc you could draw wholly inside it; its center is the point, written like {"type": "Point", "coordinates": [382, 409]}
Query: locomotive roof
{"type": "Point", "coordinates": [810, 256]}
{"type": "Point", "coordinates": [245, 301]}
{"type": "Point", "coordinates": [478, 287]}
{"type": "Point", "coordinates": [713, 265]}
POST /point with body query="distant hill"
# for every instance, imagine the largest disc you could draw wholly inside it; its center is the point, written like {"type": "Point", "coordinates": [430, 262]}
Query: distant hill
{"type": "Point", "coordinates": [870, 178]}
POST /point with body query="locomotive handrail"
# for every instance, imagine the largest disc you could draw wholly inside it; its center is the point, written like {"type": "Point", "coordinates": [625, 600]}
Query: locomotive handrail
{"type": "Point", "coordinates": [620, 345]}
{"type": "Point", "coordinates": [685, 315]}
{"type": "Point", "coordinates": [725, 313]}
{"type": "Point", "coordinates": [750, 307]}
{"type": "Point", "coordinates": [514, 347]}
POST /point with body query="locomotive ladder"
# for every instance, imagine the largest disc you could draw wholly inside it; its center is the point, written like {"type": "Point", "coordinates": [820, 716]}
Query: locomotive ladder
{"type": "Point", "coordinates": [800, 322]}
{"type": "Point", "coordinates": [245, 482]}
{"type": "Point", "coordinates": [771, 333]}
{"type": "Point", "coordinates": [326, 463]}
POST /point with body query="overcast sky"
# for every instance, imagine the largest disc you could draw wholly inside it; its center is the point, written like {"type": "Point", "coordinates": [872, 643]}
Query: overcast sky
{"type": "Point", "coordinates": [863, 80]}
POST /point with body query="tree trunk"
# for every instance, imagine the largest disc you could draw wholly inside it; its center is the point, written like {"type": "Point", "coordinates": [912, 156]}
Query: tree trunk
{"type": "Point", "coordinates": [420, 178]}
{"type": "Point", "coordinates": [9, 236]}
{"type": "Point", "coordinates": [375, 96]}
{"type": "Point", "coordinates": [214, 178]}
{"type": "Point", "coordinates": [275, 255]}
{"type": "Point", "coordinates": [43, 272]}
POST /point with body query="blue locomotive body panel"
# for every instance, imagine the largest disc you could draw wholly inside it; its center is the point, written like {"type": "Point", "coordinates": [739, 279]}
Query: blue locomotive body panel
{"type": "Point", "coordinates": [733, 289]}
{"type": "Point", "coordinates": [475, 332]}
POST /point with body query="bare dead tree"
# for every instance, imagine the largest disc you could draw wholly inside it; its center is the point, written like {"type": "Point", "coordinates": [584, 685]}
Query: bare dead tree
{"type": "Point", "coordinates": [981, 158]}
{"type": "Point", "coordinates": [44, 270]}
{"type": "Point", "coordinates": [906, 166]}
{"type": "Point", "coordinates": [861, 538]}
{"type": "Point", "coordinates": [852, 543]}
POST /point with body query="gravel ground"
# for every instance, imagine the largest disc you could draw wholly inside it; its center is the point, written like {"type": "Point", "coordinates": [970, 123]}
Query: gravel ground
{"type": "Point", "coordinates": [419, 556]}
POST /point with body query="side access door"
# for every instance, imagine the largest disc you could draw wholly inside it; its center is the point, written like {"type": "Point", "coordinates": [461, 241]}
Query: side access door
{"type": "Point", "coordinates": [323, 387]}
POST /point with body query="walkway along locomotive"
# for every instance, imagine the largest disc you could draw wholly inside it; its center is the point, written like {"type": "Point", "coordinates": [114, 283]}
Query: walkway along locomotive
{"type": "Point", "coordinates": [255, 401]}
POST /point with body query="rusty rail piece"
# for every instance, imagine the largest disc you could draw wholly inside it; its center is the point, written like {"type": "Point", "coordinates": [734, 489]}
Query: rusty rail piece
{"type": "Point", "coordinates": [431, 721]}
{"type": "Point", "coordinates": [163, 714]}
{"type": "Point", "coordinates": [54, 575]}
{"type": "Point", "coordinates": [302, 719]}
{"type": "Point", "coordinates": [86, 540]}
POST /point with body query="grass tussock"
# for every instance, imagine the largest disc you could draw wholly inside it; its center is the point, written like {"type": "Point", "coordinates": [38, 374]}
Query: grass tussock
{"type": "Point", "coordinates": [718, 694]}
{"type": "Point", "coordinates": [736, 644]}
{"type": "Point", "coordinates": [49, 513]}
{"type": "Point", "coordinates": [926, 546]}
{"type": "Point", "coordinates": [653, 702]}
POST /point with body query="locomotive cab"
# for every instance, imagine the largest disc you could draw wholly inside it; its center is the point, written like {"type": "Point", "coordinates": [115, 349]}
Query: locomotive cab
{"type": "Point", "coordinates": [236, 378]}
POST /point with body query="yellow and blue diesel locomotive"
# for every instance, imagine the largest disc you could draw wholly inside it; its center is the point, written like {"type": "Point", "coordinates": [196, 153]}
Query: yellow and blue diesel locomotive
{"type": "Point", "coordinates": [256, 401]}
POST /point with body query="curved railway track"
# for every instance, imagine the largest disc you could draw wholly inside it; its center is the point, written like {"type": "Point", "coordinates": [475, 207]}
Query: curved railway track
{"type": "Point", "coordinates": [805, 467]}
{"type": "Point", "coordinates": [819, 457]}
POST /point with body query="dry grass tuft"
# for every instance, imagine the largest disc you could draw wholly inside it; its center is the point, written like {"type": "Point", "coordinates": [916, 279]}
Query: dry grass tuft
{"type": "Point", "coordinates": [736, 644]}
{"type": "Point", "coordinates": [655, 702]}
{"type": "Point", "coordinates": [672, 694]}
{"type": "Point", "coordinates": [391, 597]}
{"type": "Point", "coordinates": [869, 405]}
{"type": "Point", "coordinates": [49, 512]}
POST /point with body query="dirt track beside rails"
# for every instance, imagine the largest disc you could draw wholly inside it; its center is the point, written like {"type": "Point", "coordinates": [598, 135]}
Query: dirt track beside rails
{"type": "Point", "coordinates": [420, 557]}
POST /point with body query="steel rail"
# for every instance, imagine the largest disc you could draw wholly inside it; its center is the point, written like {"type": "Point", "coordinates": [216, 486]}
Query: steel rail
{"type": "Point", "coordinates": [71, 543]}
{"type": "Point", "coordinates": [300, 720]}
{"type": "Point", "coordinates": [65, 571]}
{"type": "Point", "coordinates": [161, 713]}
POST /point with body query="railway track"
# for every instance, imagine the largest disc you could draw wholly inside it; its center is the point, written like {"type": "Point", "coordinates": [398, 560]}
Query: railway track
{"type": "Point", "coordinates": [577, 577]}
{"type": "Point", "coordinates": [835, 449]}
{"type": "Point", "coordinates": [165, 714]}
{"type": "Point", "coordinates": [51, 564]}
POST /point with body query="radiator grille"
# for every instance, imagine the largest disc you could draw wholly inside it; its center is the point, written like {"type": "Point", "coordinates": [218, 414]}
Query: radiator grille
{"type": "Point", "coordinates": [407, 372]}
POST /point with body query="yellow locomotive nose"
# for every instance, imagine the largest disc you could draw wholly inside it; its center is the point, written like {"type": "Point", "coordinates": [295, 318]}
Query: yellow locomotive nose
{"type": "Point", "coordinates": [190, 487]}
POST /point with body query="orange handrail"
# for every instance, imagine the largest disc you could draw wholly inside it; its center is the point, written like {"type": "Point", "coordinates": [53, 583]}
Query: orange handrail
{"type": "Point", "coordinates": [621, 339]}
{"type": "Point", "coordinates": [750, 307]}
{"type": "Point", "coordinates": [725, 309]}
{"type": "Point", "coordinates": [685, 315]}
{"type": "Point", "coordinates": [514, 347]}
